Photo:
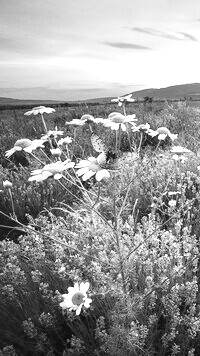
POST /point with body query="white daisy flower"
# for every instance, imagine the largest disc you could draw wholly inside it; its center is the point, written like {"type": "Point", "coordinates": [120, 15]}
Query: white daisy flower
{"type": "Point", "coordinates": [39, 110]}
{"type": "Point", "coordinates": [116, 119]}
{"type": "Point", "coordinates": [121, 99]}
{"type": "Point", "coordinates": [76, 298]}
{"type": "Point", "coordinates": [7, 184]}
{"type": "Point", "coordinates": [179, 157]}
{"type": "Point", "coordinates": [141, 127]}
{"type": "Point", "coordinates": [54, 133]}
{"type": "Point", "coordinates": [179, 150]}
{"type": "Point", "coordinates": [85, 118]}
{"type": "Point", "coordinates": [89, 118]}
{"type": "Point", "coordinates": [76, 122]}
{"type": "Point", "coordinates": [162, 133]}
{"type": "Point", "coordinates": [165, 131]}
{"type": "Point", "coordinates": [26, 145]}
{"type": "Point", "coordinates": [52, 169]}
{"type": "Point", "coordinates": [172, 203]}
{"type": "Point", "coordinates": [64, 141]}
{"type": "Point", "coordinates": [90, 167]}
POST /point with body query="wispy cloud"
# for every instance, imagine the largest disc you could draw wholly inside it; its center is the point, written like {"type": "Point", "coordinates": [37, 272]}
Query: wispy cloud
{"type": "Point", "coordinates": [179, 36]}
{"type": "Point", "coordinates": [123, 45]}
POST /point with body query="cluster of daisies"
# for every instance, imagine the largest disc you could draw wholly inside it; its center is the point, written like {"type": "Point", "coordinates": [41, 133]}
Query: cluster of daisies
{"type": "Point", "coordinates": [93, 166]}
{"type": "Point", "coordinates": [77, 297]}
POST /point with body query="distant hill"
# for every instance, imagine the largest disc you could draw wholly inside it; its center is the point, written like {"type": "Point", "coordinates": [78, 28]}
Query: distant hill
{"type": "Point", "coordinates": [11, 101]}
{"type": "Point", "coordinates": [172, 92]}
{"type": "Point", "coordinates": [190, 91]}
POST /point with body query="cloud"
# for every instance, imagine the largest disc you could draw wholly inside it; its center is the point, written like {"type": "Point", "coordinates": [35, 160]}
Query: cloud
{"type": "Point", "coordinates": [123, 45]}
{"type": "Point", "coordinates": [179, 36]}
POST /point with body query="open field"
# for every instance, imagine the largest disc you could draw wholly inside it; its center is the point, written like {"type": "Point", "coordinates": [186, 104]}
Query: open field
{"type": "Point", "coordinates": [121, 228]}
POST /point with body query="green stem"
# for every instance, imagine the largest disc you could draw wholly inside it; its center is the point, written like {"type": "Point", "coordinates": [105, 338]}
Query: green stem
{"type": "Point", "coordinates": [13, 209]}
{"type": "Point", "coordinates": [141, 138]}
{"type": "Point", "coordinates": [116, 233]}
{"type": "Point", "coordinates": [45, 128]}
{"type": "Point", "coordinates": [37, 159]}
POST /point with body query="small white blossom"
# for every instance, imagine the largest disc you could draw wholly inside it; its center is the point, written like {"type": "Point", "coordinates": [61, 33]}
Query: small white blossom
{"type": "Point", "coordinates": [7, 184]}
{"type": "Point", "coordinates": [76, 298]}
{"type": "Point", "coordinates": [116, 119]}
{"type": "Point", "coordinates": [39, 110]}
{"type": "Point", "coordinates": [53, 169]}
{"type": "Point", "coordinates": [65, 140]}
{"type": "Point", "coordinates": [91, 167]}
{"type": "Point", "coordinates": [122, 99]}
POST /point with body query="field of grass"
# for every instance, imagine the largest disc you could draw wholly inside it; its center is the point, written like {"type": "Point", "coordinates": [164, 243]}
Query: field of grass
{"type": "Point", "coordinates": [100, 256]}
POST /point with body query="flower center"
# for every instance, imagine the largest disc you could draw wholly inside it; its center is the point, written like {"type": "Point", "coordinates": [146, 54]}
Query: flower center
{"type": "Point", "coordinates": [117, 120]}
{"type": "Point", "coordinates": [94, 166]}
{"type": "Point", "coordinates": [78, 298]}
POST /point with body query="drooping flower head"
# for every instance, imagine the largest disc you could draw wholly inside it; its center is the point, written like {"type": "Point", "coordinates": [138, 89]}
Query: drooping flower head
{"type": "Point", "coordinates": [165, 132]}
{"type": "Point", "coordinates": [76, 298]}
{"type": "Point", "coordinates": [116, 119]}
{"type": "Point", "coordinates": [53, 169]}
{"type": "Point", "coordinates": [39, 110]}
{"type": "Point", "coordinates": [26, 145]}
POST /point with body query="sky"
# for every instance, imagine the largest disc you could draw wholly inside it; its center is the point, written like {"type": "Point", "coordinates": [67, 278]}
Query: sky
{"type": "Point", "coordinates": [82, 49]}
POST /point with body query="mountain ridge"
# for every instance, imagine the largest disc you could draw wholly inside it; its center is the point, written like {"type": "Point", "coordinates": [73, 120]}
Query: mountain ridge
{"type": "Point", "coordinates": [190, 91]}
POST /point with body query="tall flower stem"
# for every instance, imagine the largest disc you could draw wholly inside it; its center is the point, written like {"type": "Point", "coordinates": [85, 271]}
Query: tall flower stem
{"type": "Point", "coordinates": [37, 159]}
{"type": "Point", "coordinates": [116, 140]}
{"type": "Point", "coordinates": [45, 128]}
{"type": "Point", "coordinates": [12, 204]}
{"type": "Point", "coordinates": [117, 239]}
{"type": "Point", "coordinates": [119, 137]}
{"type": "Point", "coordinates": [128, 134]}
{"type": "Point", "coordinates": [140, 144]}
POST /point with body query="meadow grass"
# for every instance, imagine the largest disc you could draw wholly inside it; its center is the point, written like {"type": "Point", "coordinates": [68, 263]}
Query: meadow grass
{"type": "Point", "coordinates": [120, 230]}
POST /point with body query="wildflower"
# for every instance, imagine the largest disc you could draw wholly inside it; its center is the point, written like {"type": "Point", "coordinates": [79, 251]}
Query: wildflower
{"type": "Point", "coordinates": [162, 133]}
{"type": "Point", "coordinates": [116, 119]}
{"type": "Point", "coordinates": [76, 298]}
{"type": "Point", "coordinates": [53, 133]}
{"type": "Point", "coordinates": [66, 140]}
{"type": "Point", "coordinates": [180, 158]}
{"type": "Point", "coordinates": [52, 169]}
{"type": "Point", "coordinates": [7, 184]}
{"type": "Point", "coordinates": [122, 99]}
{"type": "Point", "coordinates": [76, 122]}
{"type": "Point", "coordinates": [172, 203]}
{"type": "Point", "coordinates": [26, 145]}
{"type": "Point", "coordinates": [141, 127]}
{"type": "Point", "coordinates": [165, 131]}
{"type": "Point", "coordinates": [91, 167]}
{"type": "Point", "coordinates": [39, 110]}
{"type": "Point", "coordinates": [87, 118]}
{"type": "Point", "coordinates": [179, 150]}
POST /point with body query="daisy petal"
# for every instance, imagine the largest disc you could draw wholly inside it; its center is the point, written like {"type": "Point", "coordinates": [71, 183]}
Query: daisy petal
{"type": "Point", "coordinates": [123, 126]}
{"type": "Point", "coordinates": [87, 302]}
{"type": "Point", "coordinates": [88, 175]}
{"type": "Point", "coordinates": [82, 171]}
{"type": "Point", "coordinates": [84, 287]}
{"type": "Point", "coordinates": [103, 173]}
